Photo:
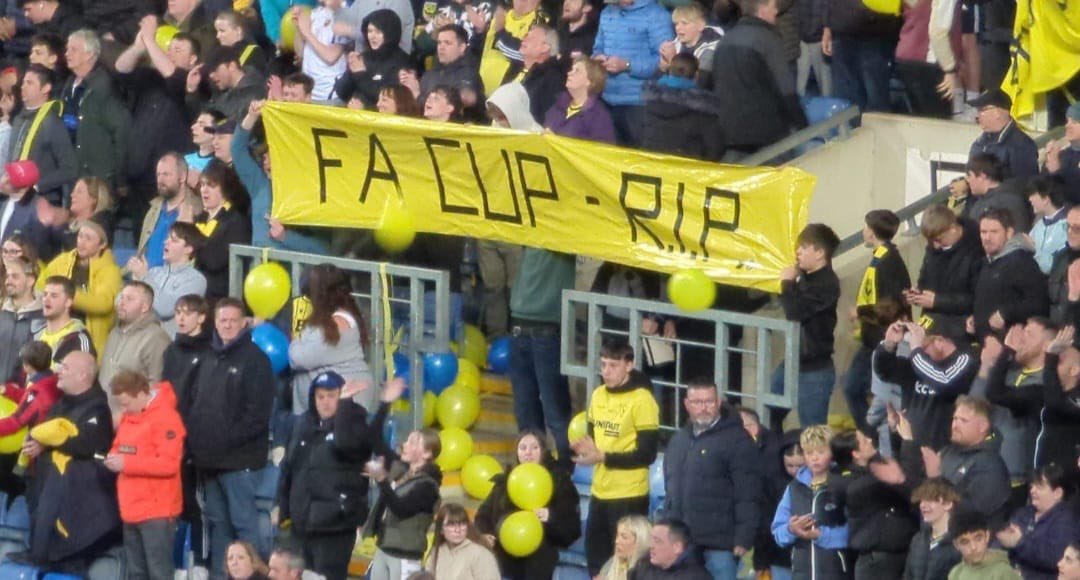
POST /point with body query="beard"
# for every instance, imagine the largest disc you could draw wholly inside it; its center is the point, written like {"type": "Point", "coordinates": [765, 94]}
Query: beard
{"type": "Point", "coordinates": [167, 193]}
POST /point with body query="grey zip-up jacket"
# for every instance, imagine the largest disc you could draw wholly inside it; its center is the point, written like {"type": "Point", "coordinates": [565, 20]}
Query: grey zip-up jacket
{"type": "Point", "coordinates": [170, 283]}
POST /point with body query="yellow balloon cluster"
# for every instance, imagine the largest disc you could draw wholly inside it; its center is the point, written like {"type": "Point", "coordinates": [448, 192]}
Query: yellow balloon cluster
{"type": "Point", "coordinates": [521, 533]}
{"type": "Point", "coordinates": [457, 447]}
{"type": "Point", "coordinates": [530, 486]}
{"type": "Point", "coordinates": [457, 406]}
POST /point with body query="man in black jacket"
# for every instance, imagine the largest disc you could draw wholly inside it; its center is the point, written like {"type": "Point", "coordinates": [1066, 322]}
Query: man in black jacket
{"type": "Point", "coordinates": [881, 522]}
{"type": "Point", "coordinates": [320, 493]}
{"type": "Point", "coordinates": [541, 73]}
{"type": "Point", "coordinates": [712, 478]}
{"type": "Point", "coordinates": [454, 68]}
{"type": "Point", "coordinates": [881, 290]}
{"type": "Point", "coordinates": [1011, 288]}
{"type": "Point", "coordinates": [954, 256]}
{"type": "Point", "coordinates": [753, 79]}
{"type": "Point", "coordinates": [1001, 137]}
{"type": "Point", "coordinates": [671, 555]}
{"type": "Point", "coordinates": [74, 513]}
{"type": "Point", "coordinates": [985, 177]}
{"type": "Point", "coordinates": [229, 429]}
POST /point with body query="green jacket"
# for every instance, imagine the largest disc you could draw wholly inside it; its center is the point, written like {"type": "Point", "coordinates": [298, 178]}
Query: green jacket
{"type": "Point", "coordinates": [104, 128]}
{"type": "Point", "coordinates": [995, 566]}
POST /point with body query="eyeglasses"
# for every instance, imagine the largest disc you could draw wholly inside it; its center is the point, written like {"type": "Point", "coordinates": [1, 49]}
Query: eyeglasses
{"type": "Point", "coordinates": [448, 525]}
{"type": "Point", "coordinates": [11, 251]}
{"type": "Point", "coordinates": [701, 402]}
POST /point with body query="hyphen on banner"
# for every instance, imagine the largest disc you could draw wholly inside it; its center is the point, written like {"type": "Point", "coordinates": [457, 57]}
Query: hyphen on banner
{"type": "Point", "coordinates": [336, 167]}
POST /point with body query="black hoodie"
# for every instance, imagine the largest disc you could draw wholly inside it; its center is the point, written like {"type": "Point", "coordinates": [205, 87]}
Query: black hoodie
{"type": "Point", "coordinates": [182, 359]}
{"type": "Point", "coordinates": [229, 418]}
{"type": "Point", "coordinates": [682, 121]}
{"type": "Point", "coordinates": [381, 65]}
{"type": "Point", "coordinates": [951, 273]}
{"type": "Point", "coordinates": [1059, 284]}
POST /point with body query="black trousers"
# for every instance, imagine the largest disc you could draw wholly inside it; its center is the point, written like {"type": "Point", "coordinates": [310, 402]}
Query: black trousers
{"type": "Point", "coordinates": [602, 524]}
{"type": "Point", "coordinates": [328, 554]}
{"type": "Point", "coordinates": [880, 565]}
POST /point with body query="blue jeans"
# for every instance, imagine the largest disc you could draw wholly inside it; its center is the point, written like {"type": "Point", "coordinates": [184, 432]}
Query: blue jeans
{"type": "Point", "coordinates": [780, 573]}
{"type": "Point", "coordinates": [860, 68]}
{"type": "Point", "coordinates": [857, 385]}
{"type": "Point", "coordinates": [815, 390]}
{"type": "Point", "coordinates": [722, 564]}
{"type": "Point", "coordinates": [231, 514]}
{"type": "Point", "coordinates": [541, 392]}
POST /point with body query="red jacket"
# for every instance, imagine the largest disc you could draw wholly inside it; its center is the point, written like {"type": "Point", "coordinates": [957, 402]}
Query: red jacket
{"type": "Point", "coordinates": [34, 402]}
{"type": "Point", "coordinates": [152, 443]}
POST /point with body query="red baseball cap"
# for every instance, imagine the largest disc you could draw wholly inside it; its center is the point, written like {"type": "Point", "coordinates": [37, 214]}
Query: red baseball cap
{"type": "Point", "coordinates": [22, 174]}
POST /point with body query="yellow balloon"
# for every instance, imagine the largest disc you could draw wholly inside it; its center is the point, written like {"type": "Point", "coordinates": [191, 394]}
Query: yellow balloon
{"type": "Point", "coordinates": [884, 6]}
{"type": "Point", "coordinates": [12, 443]}
{"type": "Point", "coordinates": [458, 406]}
{"type": "Point", "coordinates": [429, 408]}
{"type": "Point", "coordinates": [521, 533]}
{"type": "Point", "coordinates": [468, 375]}
{"type": "Point", "coordinates": [266, 289]}
{"type": "Point", "coordinates": [476, 475]}
{"type": "Point", "coordinates": [457, 446]}
{"type": "Point", "coordinates": [691, 290]}
{"type": "Point", "coordinates": [164, 35]}
{"type": "Point", "coordinates": [579, 427]}
{"type": "Point", "coordinates": [530, 486]}
{"type": "Point", "coordinates": [288, 29]}
{"type": "Point", "coordinates": [475, 346]}
{"type": "Point", "coordinates": [396, 231]}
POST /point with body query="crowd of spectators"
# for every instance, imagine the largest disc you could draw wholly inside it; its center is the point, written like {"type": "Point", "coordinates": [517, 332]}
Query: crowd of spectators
{"type": "Point", "coordinates": [133, 156]}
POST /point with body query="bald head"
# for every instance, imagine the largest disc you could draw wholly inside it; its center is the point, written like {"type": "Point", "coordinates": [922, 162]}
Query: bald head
{"type": "Point", "coordinates": [77, 373]}
{"type": "Point", "coordinates": [1069, 368]}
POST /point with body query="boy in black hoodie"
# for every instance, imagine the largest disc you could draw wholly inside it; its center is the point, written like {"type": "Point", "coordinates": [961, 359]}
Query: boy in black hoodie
{"type": "Point", "coordinates": [809, 292]}
{"type": "Point", "coordinates": [623, 425]}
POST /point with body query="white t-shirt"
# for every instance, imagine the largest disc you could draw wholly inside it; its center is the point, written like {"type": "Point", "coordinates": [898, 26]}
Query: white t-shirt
{"type": "Point", "coordinates": [322, 26]}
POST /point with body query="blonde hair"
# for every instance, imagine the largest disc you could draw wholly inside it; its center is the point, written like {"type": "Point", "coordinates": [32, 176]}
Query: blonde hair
{"type": "Point", "coordinates": [692, 12]}
{"type": "Point", "coordinates": [641, 528]}
{"type": "Point", "coordinates": [815, 437]}
{"type": "Point", "coordinates": [99, 191]}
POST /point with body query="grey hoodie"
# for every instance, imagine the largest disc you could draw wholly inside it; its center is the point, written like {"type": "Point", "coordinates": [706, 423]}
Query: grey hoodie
{"type": "Point", "coordinates": [170, 283]}
{"type": "Point", "coordinates": [513, 101]}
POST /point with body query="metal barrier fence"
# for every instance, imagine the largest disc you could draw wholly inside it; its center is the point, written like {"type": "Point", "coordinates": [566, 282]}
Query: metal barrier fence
{"type": "Point", "coordinates": [421, 287]}
{"type": "Point", "coordinates": [671, 385]}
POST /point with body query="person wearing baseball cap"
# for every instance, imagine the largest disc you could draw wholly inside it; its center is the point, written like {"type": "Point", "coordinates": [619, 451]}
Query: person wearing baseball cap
{"type": "Point", "coordinates": [330, 444]}
{"type": "Point", "coordinates": [1063, 156]}
{"type": "Point", "coordinates": [1001, 136]}
{"type": "Point", "coordinates": [18, 213]}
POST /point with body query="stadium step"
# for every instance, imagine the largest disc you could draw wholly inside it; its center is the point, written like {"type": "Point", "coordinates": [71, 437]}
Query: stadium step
{"type": "Point", "coordinates": [494, 433]}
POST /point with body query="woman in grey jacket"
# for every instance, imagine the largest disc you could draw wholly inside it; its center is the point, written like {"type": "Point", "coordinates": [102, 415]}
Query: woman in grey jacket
{"type": "Point", "coordinates": [332, 338]}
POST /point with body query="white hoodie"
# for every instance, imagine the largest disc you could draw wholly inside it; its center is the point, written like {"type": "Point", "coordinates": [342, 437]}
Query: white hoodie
{"type": "Point", "coordinates": [513, 101]}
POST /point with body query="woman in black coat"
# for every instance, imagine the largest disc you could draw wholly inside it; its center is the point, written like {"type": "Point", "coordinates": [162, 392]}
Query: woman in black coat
{"type": "Point", "coordinates": [561, 516]}
{"type": "Point", "coordinates": [380, 62]}
{"type": "Point", "coordinates": [223, 223]}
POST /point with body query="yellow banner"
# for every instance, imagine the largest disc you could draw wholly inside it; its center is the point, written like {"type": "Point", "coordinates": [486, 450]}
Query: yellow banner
{"type": "Point", "coordinates": [737, 224]}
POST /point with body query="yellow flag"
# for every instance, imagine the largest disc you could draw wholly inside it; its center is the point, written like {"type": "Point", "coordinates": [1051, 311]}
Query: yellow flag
{"type": "Point", "coordinates": [1045, 51]}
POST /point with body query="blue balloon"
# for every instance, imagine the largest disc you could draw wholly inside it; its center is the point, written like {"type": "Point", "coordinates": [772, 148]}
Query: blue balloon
{"type": "Point", "coordinates": [499, 355]}
{"type": "Point", "coordinates": [402, 368]}
{"type": "Point", "coordinates": [274, 344]}
{"type": "Point", "coordinates": [440, 370]}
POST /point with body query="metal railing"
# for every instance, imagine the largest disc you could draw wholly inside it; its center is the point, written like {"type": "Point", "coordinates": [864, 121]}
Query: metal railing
{"type": "Point", "coordinates": [908, 213]}
{"type": "Point", "coordinates": [840, 122]}
{"type": "Point", "coordinates": [417, 288]}
{"type": "Point", "coordinates": [585, 364]}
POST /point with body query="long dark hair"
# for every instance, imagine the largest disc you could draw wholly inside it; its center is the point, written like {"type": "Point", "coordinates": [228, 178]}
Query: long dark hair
{"type": "Point", "coordinates": [545, 452]}
{"type": "Point", "coordinates": [329, 290]}
{"type": "Point", "coordinates": [453, 513]}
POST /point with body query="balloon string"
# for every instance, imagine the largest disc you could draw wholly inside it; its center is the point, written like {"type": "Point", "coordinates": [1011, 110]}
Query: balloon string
{"type": "Point", "coordinates": [265, 255]}
{"type": "Point", "coordinates": [388, 346]}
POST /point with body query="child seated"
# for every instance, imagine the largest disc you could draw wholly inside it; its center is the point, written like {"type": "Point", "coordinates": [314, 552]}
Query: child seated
{"type": "Point", "coordinates": [971, 536]}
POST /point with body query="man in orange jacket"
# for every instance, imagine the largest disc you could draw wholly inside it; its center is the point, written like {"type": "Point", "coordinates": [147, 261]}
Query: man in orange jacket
{"type": "Point", "coordinates": [146, 454]}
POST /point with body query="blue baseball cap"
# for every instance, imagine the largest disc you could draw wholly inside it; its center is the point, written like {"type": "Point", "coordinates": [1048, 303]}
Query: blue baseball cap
{"type": "Point", "coordinates": [328, 380]}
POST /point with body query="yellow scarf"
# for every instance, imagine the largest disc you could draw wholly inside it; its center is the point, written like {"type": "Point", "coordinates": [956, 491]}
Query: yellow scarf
{"type": "Point", "coordinates": [868, 295]}
{"type": "Point", "coordinates": [207, 228]}
{"type": "Point", "coordinates": [35, 126]}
